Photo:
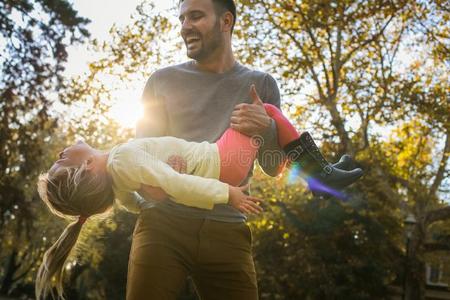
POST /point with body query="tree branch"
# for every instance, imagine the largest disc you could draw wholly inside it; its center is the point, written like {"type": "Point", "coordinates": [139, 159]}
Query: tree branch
{"type": "Point", "coordinates": [437, 215]}
{"type": "Point", "coordinates": [300, 47]}
{"type": "Point", "coordinates": [431, 247]}
{"type": "Point", "coordinates": [338, 123]}
{"type": "Point", "coordinates": [364, 131]}
{"type": "Point", "coordinates": [442, 165]}
{"type": "Point", "coordinates": [336, 62]}
{"type": "Point", "coordinates": [330, 45]}
{"type": "Point", "coordinates": [384, 187]}
{"type": "Point", "coordinates": [368, 41]}
{"type": "Point", "coordinates": [317, 49]}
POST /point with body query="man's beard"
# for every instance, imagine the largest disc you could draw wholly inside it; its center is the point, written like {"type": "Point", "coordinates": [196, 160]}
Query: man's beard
{"type": "Point", "coordinates": [209, 43]}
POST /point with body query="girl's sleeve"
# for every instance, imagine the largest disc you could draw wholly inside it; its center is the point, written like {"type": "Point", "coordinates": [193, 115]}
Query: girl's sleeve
{"type": "Point", "coordinates": [186, 189]}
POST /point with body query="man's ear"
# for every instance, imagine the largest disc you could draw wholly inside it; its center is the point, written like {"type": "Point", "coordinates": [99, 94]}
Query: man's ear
{"type": "Point", "coordinates": [227, 21]}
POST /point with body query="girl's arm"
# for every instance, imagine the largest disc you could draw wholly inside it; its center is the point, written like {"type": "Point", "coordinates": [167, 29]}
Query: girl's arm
{"type": "Point", "coordinates": [135, 167]}
{"type": "Point", "coordinates": [139, 168]}
{"type": "Point", "coordinates": [237, 198]}
{"type": "Point", "coordinates": [184, 188]}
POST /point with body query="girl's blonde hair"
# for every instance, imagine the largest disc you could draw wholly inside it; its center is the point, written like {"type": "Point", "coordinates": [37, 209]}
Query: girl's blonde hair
{"type": "Point", "coordinates": [69, 192]}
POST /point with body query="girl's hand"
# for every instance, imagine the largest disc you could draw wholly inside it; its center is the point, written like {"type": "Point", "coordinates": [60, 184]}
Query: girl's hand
{"type": "Point", "coordinates": [242, 202]}
{"type": "Point", "coordinates": [155, 193]}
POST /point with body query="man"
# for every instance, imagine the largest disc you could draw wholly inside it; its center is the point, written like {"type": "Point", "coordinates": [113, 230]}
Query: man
{"type": "Point", "coordinates": [197, 101]}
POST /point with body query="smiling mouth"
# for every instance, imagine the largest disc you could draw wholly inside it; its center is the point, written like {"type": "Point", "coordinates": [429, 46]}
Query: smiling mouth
{"type": "Point", "coordinates": [192, 40]}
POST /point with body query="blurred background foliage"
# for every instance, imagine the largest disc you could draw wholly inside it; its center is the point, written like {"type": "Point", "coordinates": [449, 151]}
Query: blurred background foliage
{"type": "Point", "coordinates": [367, 78]}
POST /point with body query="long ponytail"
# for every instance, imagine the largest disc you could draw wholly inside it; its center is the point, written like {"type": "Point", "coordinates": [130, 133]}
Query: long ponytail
{"type": "Point", "coordinates": [69, 192]}
{"type": "Point", "coordinates": [54, 260]}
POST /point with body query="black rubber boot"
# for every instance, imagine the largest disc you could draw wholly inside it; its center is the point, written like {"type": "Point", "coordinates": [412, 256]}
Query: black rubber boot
{"type": "Point", "coordinates": [317, 171]}
{"type": "Point", "coordinates": [344, 163]}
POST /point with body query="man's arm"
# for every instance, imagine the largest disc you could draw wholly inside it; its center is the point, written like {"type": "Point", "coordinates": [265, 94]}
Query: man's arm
{"type": "Point", "coordinates": [153, 123]}
{"type": "Point", "coordinates": [271, 157]}
{"type": "Point", "coordinates": [130, 201]}
{"type": "Point", "coordinates": [154, 119]}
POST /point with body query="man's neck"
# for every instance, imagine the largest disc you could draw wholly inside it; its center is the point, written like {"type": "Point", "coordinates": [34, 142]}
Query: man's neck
{"type": "Point", "coordinates": [217, 63]}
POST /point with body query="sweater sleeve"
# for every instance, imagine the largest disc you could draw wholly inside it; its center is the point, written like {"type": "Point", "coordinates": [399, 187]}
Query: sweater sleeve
{"type": "Point", "coordinates": [154, 120]}
{"type": "Point", "coordinates": [186, 189]}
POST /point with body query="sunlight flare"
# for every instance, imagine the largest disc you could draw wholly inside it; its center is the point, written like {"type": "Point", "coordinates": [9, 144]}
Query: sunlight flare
{"type": "Point", "coordinates": [127, 109]}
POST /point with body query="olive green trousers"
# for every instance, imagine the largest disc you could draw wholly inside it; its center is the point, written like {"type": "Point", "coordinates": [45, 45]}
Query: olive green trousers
{"type": "Point", "coordinates": [167, 248]}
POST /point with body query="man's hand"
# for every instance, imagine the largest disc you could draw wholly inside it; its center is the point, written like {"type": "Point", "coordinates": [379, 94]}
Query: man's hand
{"type": "Point", "coordinates": [250, 119]}
{"type": "Point", "coordinates": [242, 202]}
{"type": "Point", "coordinates": [151, 192]}
{"type": "Point", "coordinates": [177, 163]}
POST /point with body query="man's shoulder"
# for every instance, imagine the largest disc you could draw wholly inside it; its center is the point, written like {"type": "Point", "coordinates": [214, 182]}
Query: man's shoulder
{"type": "Point", "coordinates": [258, 76]}
{"type": "Point", "coordinates": [170, 70]}
{"type": "Point", "coordinates": [254, 72]}
{"type": "Point", "coordinates": [265, 83]}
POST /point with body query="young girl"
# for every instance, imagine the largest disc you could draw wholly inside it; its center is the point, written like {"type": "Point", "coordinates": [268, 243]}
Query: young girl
{"type": "Point", "coordinates": [85, 181]}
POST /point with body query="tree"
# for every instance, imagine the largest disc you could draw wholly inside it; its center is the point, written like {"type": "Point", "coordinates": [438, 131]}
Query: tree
{"type": "Point", "coordinates": [97, 267]}
{"type": "Point", "coordinates": [342, 63]}
{"type": "Point", "coordinates": [34, 36]}
{"type": "Point", "coordinates": [349, 56]}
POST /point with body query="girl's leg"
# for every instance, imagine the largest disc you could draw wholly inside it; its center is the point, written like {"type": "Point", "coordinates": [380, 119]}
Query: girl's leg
{"type": "Point", "coordinates": [238, 151]}
{"type": "Point", "coordinates": [285, 130]}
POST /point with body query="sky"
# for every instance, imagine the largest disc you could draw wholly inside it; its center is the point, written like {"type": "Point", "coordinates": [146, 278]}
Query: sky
{"type": "Point", "coordinates": [103, 14]}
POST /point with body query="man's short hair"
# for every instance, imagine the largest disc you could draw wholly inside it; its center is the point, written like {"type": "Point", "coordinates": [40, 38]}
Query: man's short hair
{"type": "Point", "coordinates": [222, 6]}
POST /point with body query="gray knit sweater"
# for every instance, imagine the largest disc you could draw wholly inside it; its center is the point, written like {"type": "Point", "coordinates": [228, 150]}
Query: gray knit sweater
{"type": "Point", "coordinates": [184, 102]}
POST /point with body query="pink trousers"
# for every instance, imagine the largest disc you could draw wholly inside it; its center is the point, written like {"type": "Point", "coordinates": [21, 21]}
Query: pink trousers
{"type": "Point", "coordinates": [238, 151]}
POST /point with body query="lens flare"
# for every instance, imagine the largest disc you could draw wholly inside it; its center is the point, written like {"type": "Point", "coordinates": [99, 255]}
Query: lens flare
{"type": "Point", "coordinates": [317, 187]}
{"type": "Point", "coordinates": [294, 174]}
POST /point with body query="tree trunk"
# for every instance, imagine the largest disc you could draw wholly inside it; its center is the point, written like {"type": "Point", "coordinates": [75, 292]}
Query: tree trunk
{"type": "Point", "coordinates": [415, 281]}
{"type": "Point", "coordinates": [416, 272]}
{"type": "Point", "coordinates": [11, 269]}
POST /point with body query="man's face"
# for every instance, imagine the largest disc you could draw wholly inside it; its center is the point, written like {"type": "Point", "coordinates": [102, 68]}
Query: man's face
{"type": "Point", "coordinates": [200, 28]}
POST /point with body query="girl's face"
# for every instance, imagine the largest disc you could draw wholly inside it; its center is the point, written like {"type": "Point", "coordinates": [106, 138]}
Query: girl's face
{"type": "Point", "coordinates": [73, 156]}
